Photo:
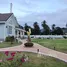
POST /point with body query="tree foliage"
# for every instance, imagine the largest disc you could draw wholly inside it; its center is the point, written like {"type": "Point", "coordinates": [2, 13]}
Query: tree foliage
{"type": "Point", "coordinates": [36, 28]}
{"type": "Point", "coordinates": [53, 26]}
{"type": "Point", "coordinates": [57, 31]}
{"type": "Point", "coordinates": [45, 31]}
{"type": "Point", "coordinates": [45, 28]}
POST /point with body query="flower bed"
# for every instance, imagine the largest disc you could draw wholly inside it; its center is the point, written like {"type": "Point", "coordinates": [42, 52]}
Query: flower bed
{"type": "Point", "coordinates": [26, 59]}
{"type": "Point", "coordinates": [12, 57]}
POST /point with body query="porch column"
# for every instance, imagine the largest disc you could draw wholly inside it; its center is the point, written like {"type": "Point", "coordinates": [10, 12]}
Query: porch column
{"type": "Point", "coordinates": [20, 34]}
{"type": "Point", "coordinates": [23, 33]}
{"type": "Point", "coordinates": [17, 33]}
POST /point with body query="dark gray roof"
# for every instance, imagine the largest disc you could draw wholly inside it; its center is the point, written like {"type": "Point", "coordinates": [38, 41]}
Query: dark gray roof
{"type": "Point", "coordinates": [5, 16]}
{"type": "Point", "coordinates": [19, 26]}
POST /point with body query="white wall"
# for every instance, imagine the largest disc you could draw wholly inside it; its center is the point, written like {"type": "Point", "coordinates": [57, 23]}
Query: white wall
{"type": "Point", "coordinates": [11, 22]}
{"type": "Point", "coordinates": [2, 31]}
{"type": "Point", "coordinates": [46, 36]}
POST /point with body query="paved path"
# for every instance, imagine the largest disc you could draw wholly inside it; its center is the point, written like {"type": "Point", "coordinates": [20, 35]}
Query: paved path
{"type": "Point", "coordinates": [43, 50]}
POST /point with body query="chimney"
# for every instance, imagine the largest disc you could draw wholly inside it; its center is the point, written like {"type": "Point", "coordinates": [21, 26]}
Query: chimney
{"type": "Point", "coordinates": [10, 7]}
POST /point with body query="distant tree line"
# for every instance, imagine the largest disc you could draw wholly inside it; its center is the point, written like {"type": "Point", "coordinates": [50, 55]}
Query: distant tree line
{"type": "Point", "coordinates": [35, 30]}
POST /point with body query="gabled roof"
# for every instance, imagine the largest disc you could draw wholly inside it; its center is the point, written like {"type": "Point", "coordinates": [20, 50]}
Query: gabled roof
{"type": "Point", "coordinates": [19, 26]}
{"type": "Point", "coordinates": [5, 16]}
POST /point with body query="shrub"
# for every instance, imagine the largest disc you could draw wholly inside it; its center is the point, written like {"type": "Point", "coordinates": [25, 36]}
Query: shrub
{"type": "Point", "coordinates": [32, 37]}
{"type": "Point", "coordinates": [48, 37]}
{"type": "Point", "coordinates": [7, 39]}
{"type": "Point", "coordinates": [39, 38]}
{"type": "Point", "coordinates": [64, 37]}
{"type": "Point", "coordinates": [28, 44]}
{"type": "Point", "coordinates": [10, 39]}
{"type": "Point", "coordinates": [16, 40]}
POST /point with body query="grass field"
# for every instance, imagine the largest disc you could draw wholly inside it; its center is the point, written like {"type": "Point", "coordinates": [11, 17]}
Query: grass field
{"type": "Point", "coordinates": [33, 61]}
{"type": "Point", "coordinates": [59, 44]}
{"type": "Point", "coordinates": [8, 44]}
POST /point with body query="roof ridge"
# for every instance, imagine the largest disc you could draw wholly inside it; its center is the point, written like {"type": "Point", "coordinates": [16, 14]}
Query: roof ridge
{"type": "Point", "coordinates": [5, 16]}
{"type": "Point", "coordinates": [6, 13]}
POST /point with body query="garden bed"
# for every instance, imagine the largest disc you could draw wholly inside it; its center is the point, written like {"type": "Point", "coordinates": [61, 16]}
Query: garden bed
{"type": "Point", "coordinates": [15, 59]}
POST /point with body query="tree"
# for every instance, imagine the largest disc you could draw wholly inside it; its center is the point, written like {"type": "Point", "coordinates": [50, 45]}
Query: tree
{"type": "Point", "coordinates": [32, 31]}
{"type": "Point", "coordinates": [26, 28]}
{"type": "Point", "coordinates": [57, 31]}
{"type": "Point", "coordinates": [45, 28]}
{"type": "Point", "coordinates": [53, 26]}
{"type": "Point", "coordinates": [36, 28]}
{"type": "Point", "coordinates": [66, 25]}
{"type": "Point", "coordinates": [53, 29]}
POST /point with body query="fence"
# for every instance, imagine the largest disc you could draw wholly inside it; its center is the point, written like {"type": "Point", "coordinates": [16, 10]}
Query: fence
{"type": "Point", "coordinates": [45, 36]}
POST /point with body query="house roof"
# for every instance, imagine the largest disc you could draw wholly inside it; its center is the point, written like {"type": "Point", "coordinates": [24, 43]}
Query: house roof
{"type": "Point", "coordinates": [19, 26]}
{"type": "Point", "coordinates": [5, 16]}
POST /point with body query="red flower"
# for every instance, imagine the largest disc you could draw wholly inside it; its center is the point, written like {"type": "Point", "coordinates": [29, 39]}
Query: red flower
{"type": "Point", "coordinates": [22, 59]}
{"type": "Point", "coordinates": [1, 60]}
{"type": "Point", "coordinates": [10, 58]}
{"type": "Point", "coordinates": [13, 54]}
{"type": "Point", "coordinates": [6, 52]}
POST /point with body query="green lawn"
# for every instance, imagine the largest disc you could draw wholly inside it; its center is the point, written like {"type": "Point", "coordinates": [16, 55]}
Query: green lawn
{"type": "Point", "coordinates": [8, 44]}
{"type": "Point", "coordinates": [59, 44]}
{"type": "Point", "coordinates": [33, 61]}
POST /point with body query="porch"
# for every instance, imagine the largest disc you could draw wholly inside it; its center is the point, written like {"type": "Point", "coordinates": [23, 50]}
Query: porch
{"type": "Point", "coordinates": [19, 33]}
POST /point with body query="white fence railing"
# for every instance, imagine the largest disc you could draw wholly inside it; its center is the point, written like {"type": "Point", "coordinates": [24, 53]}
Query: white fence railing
{"type": "Point", "coordinates": [46, 36]}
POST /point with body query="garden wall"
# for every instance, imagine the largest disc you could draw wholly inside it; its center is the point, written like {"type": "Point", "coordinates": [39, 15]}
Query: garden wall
{"type": "Point", "coordinates": [45, 36]}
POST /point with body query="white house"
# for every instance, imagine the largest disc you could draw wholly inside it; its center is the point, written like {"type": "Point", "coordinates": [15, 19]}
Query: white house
{"type": "Point", "coordinates": [9, 26]}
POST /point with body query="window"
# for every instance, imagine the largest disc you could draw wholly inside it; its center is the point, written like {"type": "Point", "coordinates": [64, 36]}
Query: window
{"type": "Point", "coordinates": [16, 32]}
{"type": "Point", "coordinates": [9, 30]}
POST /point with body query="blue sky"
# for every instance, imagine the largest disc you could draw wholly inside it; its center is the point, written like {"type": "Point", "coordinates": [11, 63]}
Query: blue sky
{"type": "Point", "coordinates": [23, 8]}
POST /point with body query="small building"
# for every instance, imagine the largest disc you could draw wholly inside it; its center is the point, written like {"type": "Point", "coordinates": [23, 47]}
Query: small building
{"type": "Point", "coordinates": [9, 26]}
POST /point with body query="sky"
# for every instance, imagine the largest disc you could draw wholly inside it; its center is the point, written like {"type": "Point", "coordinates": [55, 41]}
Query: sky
{"type": "Point", "coordinates": [27, 11]}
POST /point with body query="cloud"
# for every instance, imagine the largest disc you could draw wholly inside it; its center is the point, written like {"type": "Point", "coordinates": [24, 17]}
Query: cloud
{"type": "Point", "coordinates": [36, 10]}
{"type": "Point", "coordinates": [39, 5]}
{"type": "Point", "coordinates": [29, 6]}
{"type": "Point", "coordinates": [58, 18]}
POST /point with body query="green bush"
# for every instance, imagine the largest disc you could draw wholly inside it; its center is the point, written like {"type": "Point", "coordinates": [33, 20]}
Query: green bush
{"type": "Point", "coordinates": [10, 39]}
{"type": "Point", "coordinates": [28, 44]}
{"type": "Point", "coordinates": [64, 37]}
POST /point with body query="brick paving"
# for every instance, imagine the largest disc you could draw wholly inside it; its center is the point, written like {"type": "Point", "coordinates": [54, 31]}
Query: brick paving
{"type": "Point", "coordinates": [43, 50]}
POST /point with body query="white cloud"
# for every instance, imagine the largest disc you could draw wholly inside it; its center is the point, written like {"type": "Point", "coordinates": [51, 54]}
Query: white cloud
{"type": "Point", "coordinates": [58, 18]}
{"type": "Point", "coordinates": [37, 10]}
